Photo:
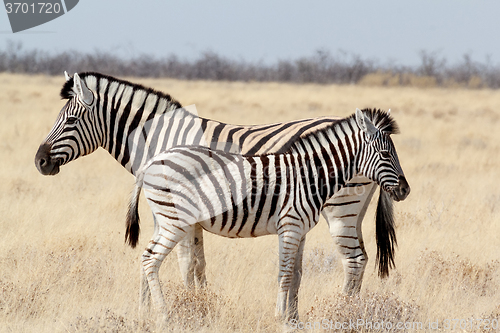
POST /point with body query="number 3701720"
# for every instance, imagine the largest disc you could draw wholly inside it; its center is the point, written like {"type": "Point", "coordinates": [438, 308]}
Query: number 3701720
{"type": "Point", "coordinates": [472, 323]}
{"type": "Point", "coordinates": [38, 8]}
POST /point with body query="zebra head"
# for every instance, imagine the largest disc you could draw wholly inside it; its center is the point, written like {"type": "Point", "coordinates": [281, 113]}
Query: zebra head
{"type": "Point", "coordinates": [378, 159]}
{"type": "Point", "coordinates": [74, 132]}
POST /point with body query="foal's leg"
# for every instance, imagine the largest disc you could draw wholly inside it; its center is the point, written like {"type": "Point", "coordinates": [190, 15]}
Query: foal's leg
{"type": "Point", "coordinates": [170, 233]}
{"type": "Point", "coordinates": [293, 293]}
{"type": "Point", "coordinates": [144, 292]}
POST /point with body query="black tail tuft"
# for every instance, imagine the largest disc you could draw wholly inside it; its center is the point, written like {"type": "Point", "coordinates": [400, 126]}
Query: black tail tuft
{"type": "Point", "coordinates": [132, 224]}
{"type": "Point", "coordinates": [385, 234]}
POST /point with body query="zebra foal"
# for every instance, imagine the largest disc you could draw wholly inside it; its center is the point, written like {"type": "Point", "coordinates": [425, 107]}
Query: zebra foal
{"type": "Point", "coordinates": [250, 196]}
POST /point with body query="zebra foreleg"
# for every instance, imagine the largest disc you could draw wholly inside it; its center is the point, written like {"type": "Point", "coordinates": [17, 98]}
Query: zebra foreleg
{"type": "Point", "coordinates": [293, 293]}
{"type": "Point", "coordinates": [344, 215]}
{"type": "Point", "coordinates": [289, 243]}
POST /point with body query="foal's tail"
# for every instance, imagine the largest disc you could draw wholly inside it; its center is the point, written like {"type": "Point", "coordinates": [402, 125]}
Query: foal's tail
{"type": "Point", "coordinates": [132, 223]}
{"type": "Point", "coordinates": [385, 234]}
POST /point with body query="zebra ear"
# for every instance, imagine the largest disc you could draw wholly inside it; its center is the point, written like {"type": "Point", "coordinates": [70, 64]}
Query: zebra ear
{"type": "Point", "coordinates": [67, 76]}
{"type": "Point", "coordinates": [82, 90]}
{"type": "Point", "coordinates": [365, 123]}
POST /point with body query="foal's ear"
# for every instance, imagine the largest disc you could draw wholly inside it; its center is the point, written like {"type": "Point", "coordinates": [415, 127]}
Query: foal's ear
{"type": "Point", "coordinates": [67, 76]}
{"type": "Point", "coordinates": [365, 123]}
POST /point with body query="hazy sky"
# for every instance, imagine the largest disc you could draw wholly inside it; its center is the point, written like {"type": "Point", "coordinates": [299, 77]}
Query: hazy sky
{"type": "Point", "coordinates": [387, 31]}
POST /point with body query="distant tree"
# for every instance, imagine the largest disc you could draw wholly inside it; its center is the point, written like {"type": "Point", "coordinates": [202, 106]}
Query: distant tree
{"type": "Point", "coordinates": [321, 67]}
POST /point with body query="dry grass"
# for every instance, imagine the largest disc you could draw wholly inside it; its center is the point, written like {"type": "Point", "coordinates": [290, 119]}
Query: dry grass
{"type": "Point", "coordinates": [65, 267]}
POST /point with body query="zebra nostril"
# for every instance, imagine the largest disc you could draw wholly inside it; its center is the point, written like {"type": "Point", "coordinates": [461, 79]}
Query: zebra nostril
{"type": "Point", "coordinates": [404, 188]}
{"type": "Point", "coordinates": [42, 157]}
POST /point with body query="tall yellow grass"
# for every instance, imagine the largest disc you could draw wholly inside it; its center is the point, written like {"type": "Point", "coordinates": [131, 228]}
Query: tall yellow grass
{"type": "Point", "coordinates": [65, 267]}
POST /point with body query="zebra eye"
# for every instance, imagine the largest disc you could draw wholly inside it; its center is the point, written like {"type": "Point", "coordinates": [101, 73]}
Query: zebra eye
{"type": "Point", "coordinates": [385, 154]}
{"type": "Point", "coordinates": [71, 120]}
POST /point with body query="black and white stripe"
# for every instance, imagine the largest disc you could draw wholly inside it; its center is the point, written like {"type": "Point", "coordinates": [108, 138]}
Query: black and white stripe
{"type": "Point", "coordinates": [134, 123]}
{"type": "Point", "coordinates": [236, 195]}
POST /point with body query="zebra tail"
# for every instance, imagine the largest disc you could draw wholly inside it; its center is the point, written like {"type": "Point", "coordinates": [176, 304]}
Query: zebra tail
{"type": "Point", "coordinates": [132, 223]}
{"type": "Point", "coordinates": [385, 234]}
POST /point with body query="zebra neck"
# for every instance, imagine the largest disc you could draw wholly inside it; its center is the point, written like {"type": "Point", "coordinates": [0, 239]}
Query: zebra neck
{"type": "Point", "coordinates": [333, 153]}
{"type": "Point", "coordinates": [345, 145]}
{"type": "Point", "coordinates": [127, 112]}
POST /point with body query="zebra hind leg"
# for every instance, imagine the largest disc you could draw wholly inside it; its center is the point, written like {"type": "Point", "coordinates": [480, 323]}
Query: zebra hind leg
{"type": "Point", "coordinates": [156, 251]}
{"type": "Point", "coordinates": [144, 295]}
{"type": "Point", "coordinates": [144, 292]}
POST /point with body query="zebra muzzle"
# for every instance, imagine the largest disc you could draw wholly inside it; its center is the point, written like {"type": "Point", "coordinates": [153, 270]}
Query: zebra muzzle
{"type": "Point", "coordinates": [402, 190]}
{"type": "Point", "coordinates": [44, 163]}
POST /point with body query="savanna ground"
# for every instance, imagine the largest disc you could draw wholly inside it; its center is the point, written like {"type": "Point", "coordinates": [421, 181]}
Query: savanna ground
{"type": "Point", "coordinates": [64, 266]}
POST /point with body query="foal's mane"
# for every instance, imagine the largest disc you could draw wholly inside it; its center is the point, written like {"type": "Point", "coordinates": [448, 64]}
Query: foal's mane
{"type": "Point", "coordinates": [381, 119]}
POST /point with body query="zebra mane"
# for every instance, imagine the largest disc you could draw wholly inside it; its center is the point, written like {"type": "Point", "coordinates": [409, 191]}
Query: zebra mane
{"type": "Point", "coordinates": [67, 89]}
{"type": "Point", "coordinates": [382, 120]}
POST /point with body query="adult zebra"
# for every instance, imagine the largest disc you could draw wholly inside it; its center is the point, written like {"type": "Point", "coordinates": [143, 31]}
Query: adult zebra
{"type": "Point", "coordinates": [103, 111]}
{"type": "Point", "coordinates": [249, 196]}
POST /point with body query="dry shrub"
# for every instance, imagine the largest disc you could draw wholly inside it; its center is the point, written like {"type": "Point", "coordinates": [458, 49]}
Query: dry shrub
{"type": "Point", "coordinates": [25, 301]}
{"type": "Point", "coordinates": [54, 276]}
{"type": "Point", "coordinates": [458, 274]}
{"type": "Point", "coordinates": [378, 78]}
{"type": "Point", "coordinates": [107, 320]}
{"type": "Point", "coordinates": [387, 79]}
{"type": "Point", "coordinates": [475, 82]}
{"type": "Point", "coordinates": [492, 319]}
{"type": "Point", "coordinates": [322, 67]}
{"type": "Point", "coordinates": [191, 309]}
{"type": "Point", "coordinates": [368, 307]}
{"type": "Point", "coordinates": [390, 79]}
{"type": "Point", "coordinates": [419, 81]}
